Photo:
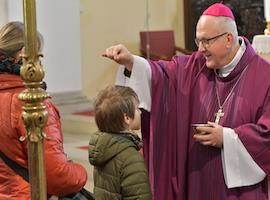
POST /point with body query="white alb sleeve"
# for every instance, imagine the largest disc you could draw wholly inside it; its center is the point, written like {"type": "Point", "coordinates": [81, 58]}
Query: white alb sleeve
{"type": "Point", "coordinates": [239, 168]}
{"type": "Point", "coordinates": [139, 81]}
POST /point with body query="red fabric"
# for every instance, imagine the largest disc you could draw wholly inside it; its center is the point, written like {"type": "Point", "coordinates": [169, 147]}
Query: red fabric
{"type": "Point", "coordinates": [85, 113]}
{"type": "Point", "coordinates": [83, 147]}
{"type": "Point", "coordinates": [63, 177]}
{"type": "Point", "coordinates": [218, 10]}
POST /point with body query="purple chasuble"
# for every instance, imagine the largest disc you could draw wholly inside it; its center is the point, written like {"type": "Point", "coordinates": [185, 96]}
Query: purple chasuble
{"type": "Point", "coordinates": [183, 93]}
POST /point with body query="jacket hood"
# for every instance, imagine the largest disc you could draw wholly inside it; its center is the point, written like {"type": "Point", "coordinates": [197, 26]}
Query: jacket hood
{"type": "Point", "coordinates": [104, 146]}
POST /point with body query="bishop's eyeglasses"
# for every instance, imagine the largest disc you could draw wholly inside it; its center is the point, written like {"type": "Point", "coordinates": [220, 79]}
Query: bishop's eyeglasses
{"type": "Point", "coordinates": [207, 41]}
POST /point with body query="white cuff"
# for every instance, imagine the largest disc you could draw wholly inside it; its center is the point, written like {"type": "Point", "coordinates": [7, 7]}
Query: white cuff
{"type": "Point", "coordinates": [139, 81]}
{"type": "Point", "coordinates": [239, 168]}
{"type": "Point", "coordinates": [121, 79]}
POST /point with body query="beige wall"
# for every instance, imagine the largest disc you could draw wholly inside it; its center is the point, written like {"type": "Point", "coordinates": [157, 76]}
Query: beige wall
{"type": "Point", "coordinates": [105, 23]}
{"type": "Point", "coordinates": [265, 56]}
{"type": "Point", "coordinates": [3, 13]}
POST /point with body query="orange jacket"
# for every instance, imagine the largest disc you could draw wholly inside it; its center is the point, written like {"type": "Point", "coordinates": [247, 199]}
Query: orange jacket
{"type": "Point", "coordinates": [63, 177]}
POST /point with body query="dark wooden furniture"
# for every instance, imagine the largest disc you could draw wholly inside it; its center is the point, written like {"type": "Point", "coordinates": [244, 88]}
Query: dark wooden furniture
{"type": "Point", "coordinates": [249, 16]}
{"type": "Point", "coordinates": [161, 45]}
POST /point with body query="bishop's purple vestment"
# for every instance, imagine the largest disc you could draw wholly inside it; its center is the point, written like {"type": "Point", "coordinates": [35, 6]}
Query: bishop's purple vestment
{"type": "Point", "coordinates": [183, 93]}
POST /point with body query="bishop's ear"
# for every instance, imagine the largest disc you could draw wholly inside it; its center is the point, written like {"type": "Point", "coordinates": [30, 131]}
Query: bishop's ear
{"type": "Point", "coordinates": [230, 41]}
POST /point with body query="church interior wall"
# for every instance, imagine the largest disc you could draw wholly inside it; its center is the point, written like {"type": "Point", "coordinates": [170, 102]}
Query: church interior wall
{"type": "Point", "coordinates": [3, 14]}
{"type": "Point", "coordinates": [105, 23]}
{"type": "Point", "coordinates": [59, 23]}
{"type": "Point", "coordinates": [102, 24]}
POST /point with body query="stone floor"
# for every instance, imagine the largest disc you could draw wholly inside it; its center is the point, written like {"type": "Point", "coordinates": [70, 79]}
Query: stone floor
{"type": "Point", "coordinates": [76, 128]}
{"type": "Point", "coordinates": [76, 142]}
{"type": "Point", "coordinates": [71, 144]}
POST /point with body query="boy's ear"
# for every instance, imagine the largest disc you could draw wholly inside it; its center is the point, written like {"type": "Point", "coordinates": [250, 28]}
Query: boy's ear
{"type": "Point", "coordinates": [126, 119]}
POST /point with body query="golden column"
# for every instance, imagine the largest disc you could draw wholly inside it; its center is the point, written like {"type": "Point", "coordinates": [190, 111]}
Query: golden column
{"type": "Point", "coordinates": [34, 111]}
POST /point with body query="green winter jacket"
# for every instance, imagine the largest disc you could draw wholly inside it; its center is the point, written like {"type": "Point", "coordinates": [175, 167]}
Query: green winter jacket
{"type": "Point", "coordinates": [119, 172]}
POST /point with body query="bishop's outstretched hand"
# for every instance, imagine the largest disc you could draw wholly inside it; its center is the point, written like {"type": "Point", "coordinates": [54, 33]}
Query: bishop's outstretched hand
{"type": "Point", "coordinates": [120, 54]}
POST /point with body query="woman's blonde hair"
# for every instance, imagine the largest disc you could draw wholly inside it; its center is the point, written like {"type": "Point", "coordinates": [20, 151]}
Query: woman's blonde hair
{"type": "Point", "coordinates": [12, 38]}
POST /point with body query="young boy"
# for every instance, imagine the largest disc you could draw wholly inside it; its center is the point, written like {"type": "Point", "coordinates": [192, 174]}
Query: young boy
{"type": "Point", "coordinates": [120, 171]}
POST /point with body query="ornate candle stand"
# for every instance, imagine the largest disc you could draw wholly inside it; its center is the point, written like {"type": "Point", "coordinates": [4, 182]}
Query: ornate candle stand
{"type": "Point", "coordinates": [34, 114]}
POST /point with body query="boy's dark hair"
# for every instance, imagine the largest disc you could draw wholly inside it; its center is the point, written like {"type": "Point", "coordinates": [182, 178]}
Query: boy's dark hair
{"type": "Point", "coordinates": [111, 105]}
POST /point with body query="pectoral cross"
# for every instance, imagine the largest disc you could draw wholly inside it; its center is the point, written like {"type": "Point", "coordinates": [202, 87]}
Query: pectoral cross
{"type": "Point", "coordinates": [218, 115]}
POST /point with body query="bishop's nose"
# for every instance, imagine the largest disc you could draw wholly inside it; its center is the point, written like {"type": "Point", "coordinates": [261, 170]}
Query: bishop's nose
{"type": "Point", "coordinates": [201, 47]}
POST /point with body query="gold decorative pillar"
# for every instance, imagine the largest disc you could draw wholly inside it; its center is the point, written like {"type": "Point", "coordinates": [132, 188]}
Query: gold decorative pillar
{"type": "Point", "coordinates": [34, 111]}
